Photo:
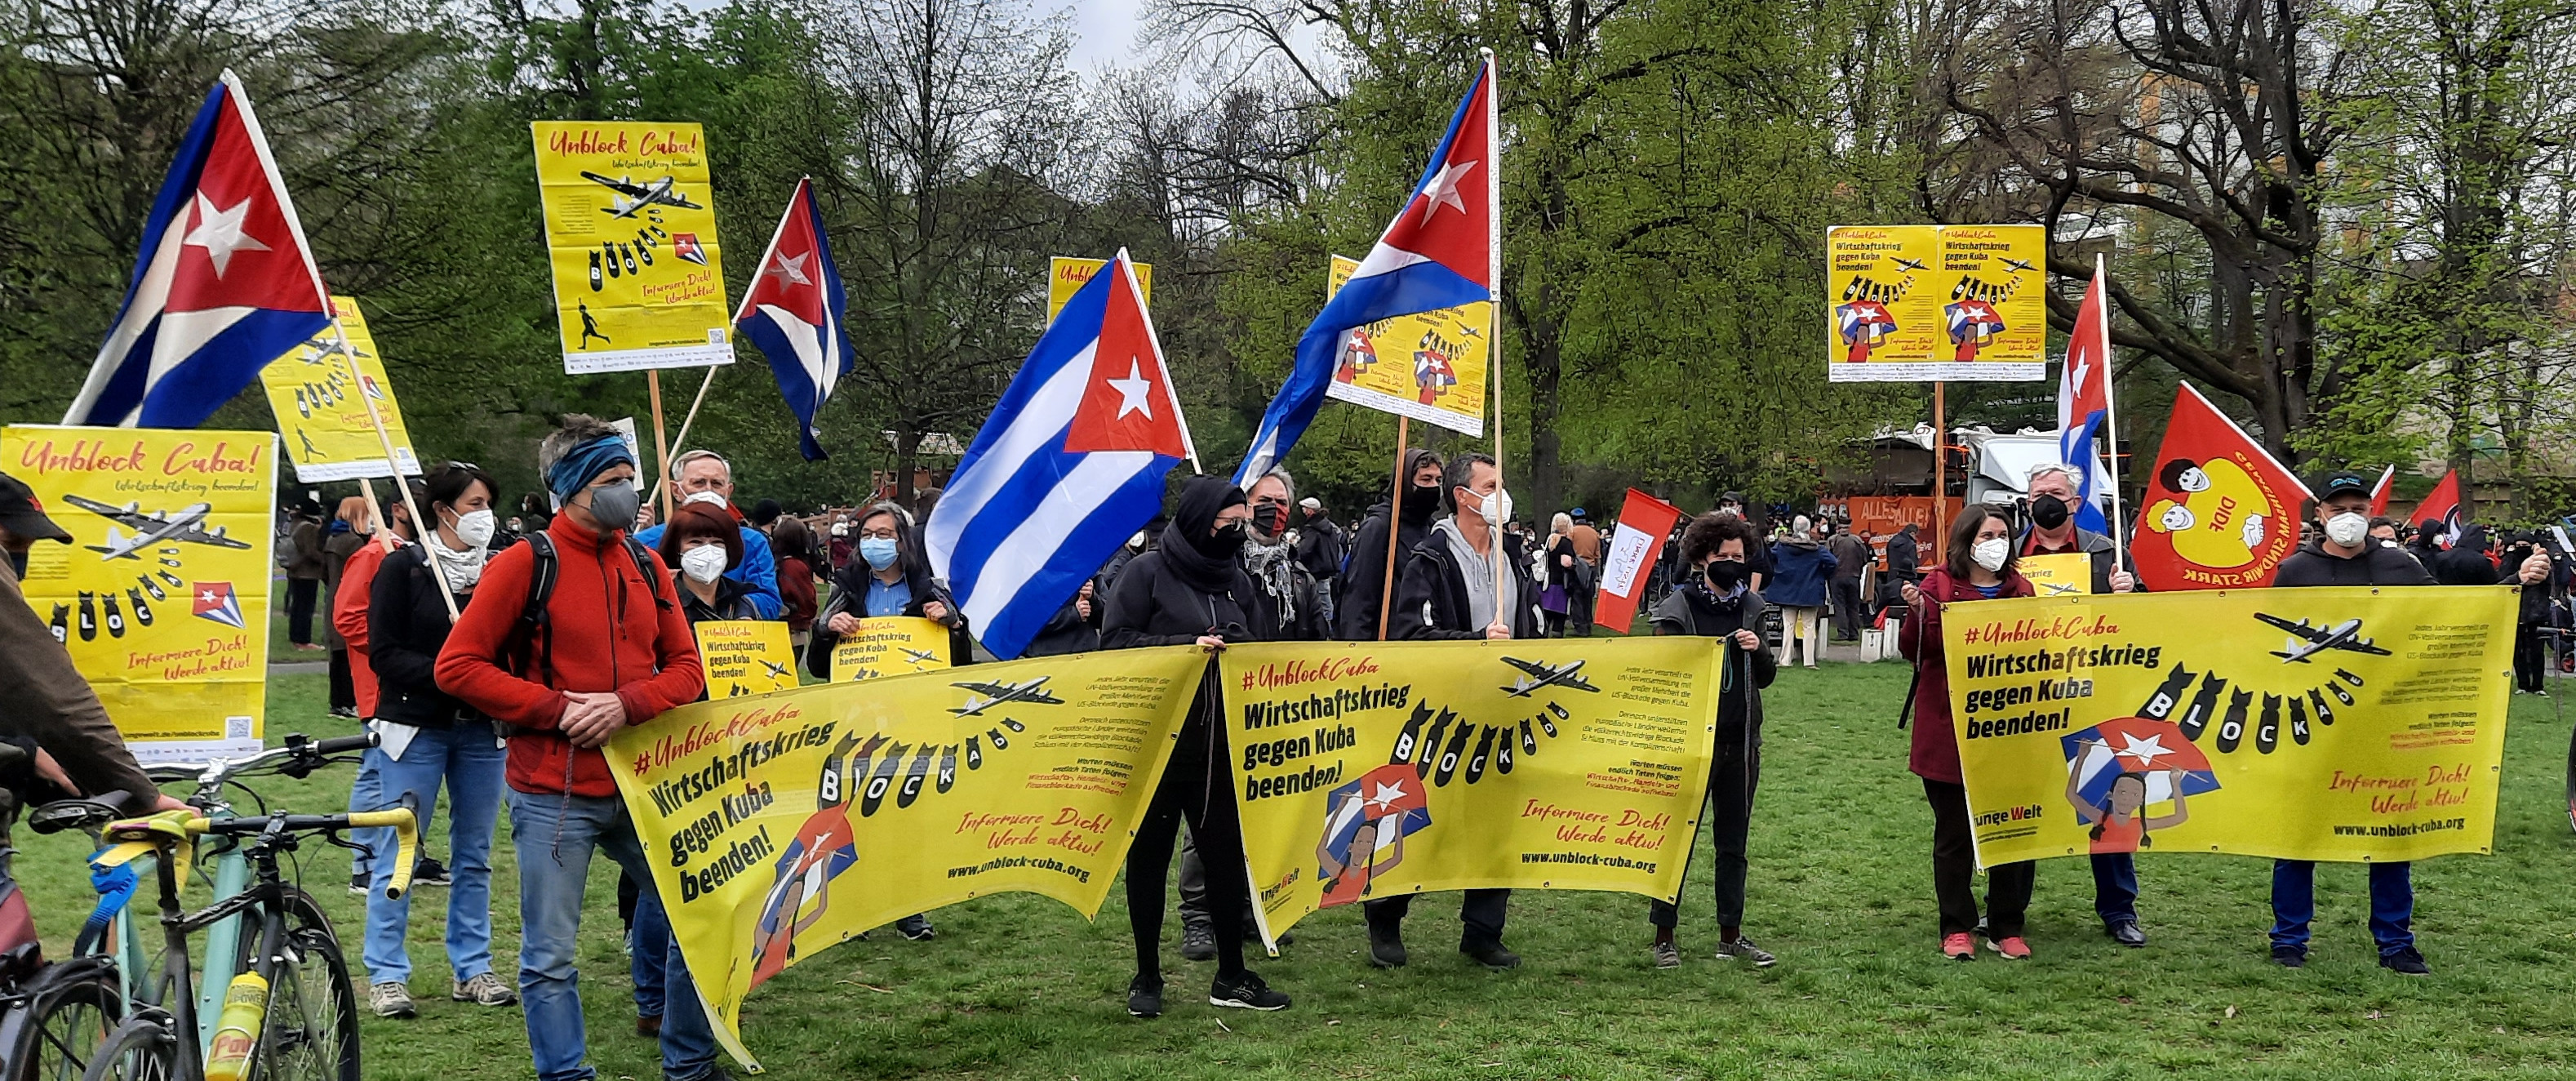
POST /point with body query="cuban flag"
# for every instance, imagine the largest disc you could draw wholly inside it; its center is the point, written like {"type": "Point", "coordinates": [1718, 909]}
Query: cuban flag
{"type": "Point", "coordinates": [1069, 465]}
{"type": "Point", "coordinates": [1389, 791]}
{"type": "Point", "coordinates": [2097, 756]}
{"type": "Point", "coordinates": [224, 284]}
{"type": "Point", "coordinates": [798, 316]}
{"type": "Point", "coordinates": [1443, 250]}
{"type": "Point", "coordinates": [2084, 402]}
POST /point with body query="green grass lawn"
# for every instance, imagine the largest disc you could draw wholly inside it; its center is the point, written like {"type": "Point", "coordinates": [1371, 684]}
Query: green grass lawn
{"type": "Point", "coordinates": [1022, 988]}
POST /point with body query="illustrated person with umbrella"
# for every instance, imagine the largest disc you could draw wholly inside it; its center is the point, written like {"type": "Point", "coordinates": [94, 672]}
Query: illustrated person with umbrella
{"type": "Point", "coordinates": [1384, 804]}
{"type": "Point", "coordinates": [2120, 823]}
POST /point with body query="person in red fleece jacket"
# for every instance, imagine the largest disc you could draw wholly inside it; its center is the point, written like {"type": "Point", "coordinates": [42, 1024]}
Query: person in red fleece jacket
{"type": "Point", "coordinates": [614, 651]}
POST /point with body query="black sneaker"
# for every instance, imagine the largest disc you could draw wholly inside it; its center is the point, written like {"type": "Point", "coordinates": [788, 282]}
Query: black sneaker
{"type": "Point", "coordinates": [2126, 933]}
{"type": "Point", "coordinates": [1245, 992]}
{"type": "Point", "coordinates": [1144, 999]}
{"type": "Point", "coordinates": [916, 927]}
{"type": "Point", "coordinates": [2291, 956]}
{"type": "Point", "coordinates": [1198, 942]}
{"type": "Point", "coordinates": [714, 1073]}
{"type": "Point", "coordinates": [1386, 948]}
{"type": "Point", "coordinates": [430, 872]}
{"type": "Point", "coordinates": [2405, 962]}
{"type": "Point", "coordinates": [1494, 956]}
{"type": "Point", "coordinates": [358, 884]}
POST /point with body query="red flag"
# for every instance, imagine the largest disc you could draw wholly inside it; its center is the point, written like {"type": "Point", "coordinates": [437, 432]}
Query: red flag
{"type": "Point", "coordinates": [2379, 492]}
{"type": "Point", "coordinates": [2219, 512]}
{"type": "Point", "coordinates": [2443, 506]}
{"type": "Point", "coordinates": [1644, 522]}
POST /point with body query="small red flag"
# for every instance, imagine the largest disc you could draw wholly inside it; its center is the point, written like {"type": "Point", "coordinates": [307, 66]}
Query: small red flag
{"type": "Point", "coordinates": [2443, 506]}
{"type": "Point", "coordinates": [2219, 512]}
{"type": "Point", "coordinates": [2379, 492]}
{"type": "Point", "coordinates": [1644, 522]}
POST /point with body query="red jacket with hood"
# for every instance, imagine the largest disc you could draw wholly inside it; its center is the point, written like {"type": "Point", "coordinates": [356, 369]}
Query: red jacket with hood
{"type": "Point", "coordinates": [1935, 753]}
{"type": "Point", "coordinates": [611, 626]}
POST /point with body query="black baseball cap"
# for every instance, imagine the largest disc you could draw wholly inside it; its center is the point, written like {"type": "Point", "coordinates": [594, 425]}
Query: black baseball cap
{"type": "Point", "coordinates": [21, 514]}
{"type": "Point", "coordinates": [2342, 482]}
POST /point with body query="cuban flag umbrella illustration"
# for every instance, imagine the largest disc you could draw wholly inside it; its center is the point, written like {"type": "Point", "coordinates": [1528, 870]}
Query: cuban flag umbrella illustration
{"type": "Point", "coordinates": [1389, 791]}
{"type": "Point", "coordinates": [2100, 754]}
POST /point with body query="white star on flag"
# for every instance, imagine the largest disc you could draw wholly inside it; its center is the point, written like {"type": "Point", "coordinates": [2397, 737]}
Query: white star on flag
{"type": "Point", "coordinates": [2146, 751]}
{"type": "Point", "coordinates": [207, 596]}
{"type": "Point", "coordinates": [1387, 794]}
{"type": "Point", "coordinates": [1132, 391]}
{"type": "Point", "coordinates": [220, 232]}
{"type": "Point", "coordinates": [791, 268]}
{"type": "Point", "coordinates": [1443, 189]}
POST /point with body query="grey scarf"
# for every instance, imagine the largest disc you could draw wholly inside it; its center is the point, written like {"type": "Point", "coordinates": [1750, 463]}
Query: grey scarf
{"type": "Point", "coordinates": [1272, 568]}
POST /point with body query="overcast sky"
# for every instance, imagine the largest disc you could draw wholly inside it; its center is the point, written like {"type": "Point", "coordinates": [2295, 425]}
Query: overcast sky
{"type": "Point", "coordinates": [1104, 31]}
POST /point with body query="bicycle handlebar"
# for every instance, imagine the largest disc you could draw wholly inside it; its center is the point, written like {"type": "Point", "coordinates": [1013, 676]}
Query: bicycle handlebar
{"type": "Point", "coordinates": [134, 836]}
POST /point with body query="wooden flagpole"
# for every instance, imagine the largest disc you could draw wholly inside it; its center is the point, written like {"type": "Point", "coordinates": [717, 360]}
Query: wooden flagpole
{"type": "Point", "coordinates": [420, 525]}
{"type": "Point", "coordinates": [1506, 599]}
{"type": "Point", "coordinates": [2110, 422]}
{"type": "Point", "coordinates": [1394, 522]}
{"type": "Point", "coordinates": [685, 422]}
{"type": "Point", "coordinates": [1940, 481]}
{"type": "Point", "coordinates": [661, 444]}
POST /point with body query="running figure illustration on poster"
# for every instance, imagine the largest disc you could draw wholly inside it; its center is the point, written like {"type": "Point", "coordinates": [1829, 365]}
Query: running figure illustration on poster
{"type": "Point", "coordinates": [1365, 824]}
{"type": "Point", "coordinates": [824, 847]}
{"type": "Point", "coordinates": [2118, 769]}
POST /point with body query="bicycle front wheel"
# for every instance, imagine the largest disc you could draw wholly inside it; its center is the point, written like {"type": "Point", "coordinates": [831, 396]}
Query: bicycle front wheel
{"type": "Point", "coordinates": [141, 1049]}
{"type": "Point", "coordinates": [64, 1022]}
{"type": "Point", "coordinates": [311, 1030]}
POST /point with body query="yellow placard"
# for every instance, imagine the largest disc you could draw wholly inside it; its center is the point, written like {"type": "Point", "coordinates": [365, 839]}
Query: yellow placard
{"type": "Point", "coordinates": [1370, 769]}
{"type": "Point", "coordinates": [631, 236]}
{"type": "Point", "coordinates": [1067, 275]}
{"type": "Point", "coordinates": [2058, 575]}
{"type": "Point", "coordinates": [1430, 366]}
{"type": "Point", "coordinates": [785, 825]}
{"type": "Point", "coordinates": [2313, 724]}
{"type": "Point", "coordinates": [162, 595]}
{"type": "Point", "coordinates": [746, 656]}
{"type": "Point", "coordinates": [1914, 303]}
{"type": "Point", "coordinates": [890, 646]}
{"type": "Point", "coordinates": [320, 413]}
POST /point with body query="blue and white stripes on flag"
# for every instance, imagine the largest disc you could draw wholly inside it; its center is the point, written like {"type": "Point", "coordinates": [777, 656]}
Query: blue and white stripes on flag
{"type": "Point", "coordinates": [2084, 404]}
{"type": "Point", "coordinates": [1070, 464]}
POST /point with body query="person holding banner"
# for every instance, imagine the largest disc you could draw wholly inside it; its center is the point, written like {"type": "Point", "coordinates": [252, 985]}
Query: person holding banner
{"type": "Point", "coordinates": [704, 476]}
{"type": "Point", "coordinates": [1365, 589]}
{"type": "Point", "coordinates": [1447, 591]}
{"type": "Point", "coordinates": [1980, 567]}
{"type": "Point", "coordinates": [705, 547]}
{"type": "Point", "coordinates": [578, 636]}
{"type": "Point", "coordinates": [1718, 601]}
{"type": "Point", "coordinates": [1192, 589]}
{"type": "Point", "coordinates": [429, 739]}
{"type": "Point", "coordinates": [887, 576]}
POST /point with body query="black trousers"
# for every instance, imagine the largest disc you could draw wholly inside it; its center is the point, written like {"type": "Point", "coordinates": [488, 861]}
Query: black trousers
{"type": "Point", "coordinates": [2530, 660]}
{"type": "Point", "coordinates": [1732, 777]}
{"type": "Point", "coordinates": [344, 694]}
{"type": "Point", "coordinates": [1954, 870]}
{"type": "Point", "coordinates": [1194, 888]}
{"type": "Point", "coordinates": [1848, 612]}
{"type": "Point", "coordinates": [1578, 613]}
{"type": "Point", "coordinates": [1190, 788]}
{"type": "Point", "coordinates": [1481, 913]}
{"type": "Point", "coordinates": [300, 594]}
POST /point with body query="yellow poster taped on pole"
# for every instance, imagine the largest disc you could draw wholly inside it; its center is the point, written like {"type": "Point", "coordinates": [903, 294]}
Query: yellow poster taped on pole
{"type": "Point", "coordinates": [1918, 303]}
{"type": "Point", "coordinates": [1430, 366]}
{"type": "Point", "coordinates": [319, 411]}
{"type": "Point", "coordinates": [746, 657]}
{"type": "Point", "coordinates": [2058, 575]}
{"type": "Point", "coordinates": [790, 823]}
{"type": "Point", "coordinates": [890, 646]}
{"type": "Point", "coordinates": [1067, 275]}
{"type": "Point", "coordinates": [1372, 769]}
{"type": "Point", "coordinates": [2347, 724]}
{"type": "Point", "coordinates": [162, 595]}
{"type": "Point", "coordinates": [631, 238]}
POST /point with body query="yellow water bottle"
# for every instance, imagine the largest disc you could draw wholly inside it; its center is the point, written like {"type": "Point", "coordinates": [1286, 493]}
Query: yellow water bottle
{"type": "Point", "coordinates": [237, 1029]}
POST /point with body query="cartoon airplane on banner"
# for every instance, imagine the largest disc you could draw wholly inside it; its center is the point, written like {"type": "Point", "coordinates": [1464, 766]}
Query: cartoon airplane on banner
{"type": "Point", "coordinates": [2308, 640]}
{"type": "Point", "coordinates": [1542, 674]}
{"type": "Point", "coordinates": [152, 528]}
{"type": "Point", "coordinates": [777, 670]}
{"type": "Point", "coordinates": [1033, 691]}
{"type": "Point", "coordinates": [632, 197]}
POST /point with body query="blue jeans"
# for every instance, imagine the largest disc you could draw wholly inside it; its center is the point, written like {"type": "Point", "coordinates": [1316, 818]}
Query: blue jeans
{"type": "Point", "coordinates": [470, 763]}
{"type": "Point", "coordinates": [2115, 886]}
{"type": "Point", "coordinates": [554, 836]}
{"type": "Point", "coordinates": [2392, 904]}
{"type": "Point", "coordinates": [366, 794]}
{"type": "Point", "coordinates": [649, 946]}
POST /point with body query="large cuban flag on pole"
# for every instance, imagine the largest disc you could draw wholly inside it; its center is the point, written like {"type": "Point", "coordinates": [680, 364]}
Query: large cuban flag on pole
{"type": "Point", "coordinates": [2084, 404]}
{"type": "Point", "coordinates": [1440, 252]}
{"type": "Point", "coordinates": [224, 284]}
{"type": "Point", "coordinates": [1070, 464]}
{"type": "Point", "coordinates": [798, 316]}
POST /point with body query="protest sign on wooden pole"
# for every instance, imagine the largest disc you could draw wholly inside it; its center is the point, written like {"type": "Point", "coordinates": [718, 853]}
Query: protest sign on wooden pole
{"type": "Point", "coordinates": [1394, 521]}
{"type": "Point", "coordinates": [420, 525]}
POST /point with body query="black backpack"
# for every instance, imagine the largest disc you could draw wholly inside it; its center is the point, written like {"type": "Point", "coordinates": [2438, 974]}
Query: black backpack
{"type": "Point", "coordinates": [523, 653]}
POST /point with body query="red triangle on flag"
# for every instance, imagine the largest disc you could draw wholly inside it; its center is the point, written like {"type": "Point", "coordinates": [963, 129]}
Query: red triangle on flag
{"type": "Point", "coordinates": [236, 248]}
{"type": "Point", "coordinates": [1127, 401]}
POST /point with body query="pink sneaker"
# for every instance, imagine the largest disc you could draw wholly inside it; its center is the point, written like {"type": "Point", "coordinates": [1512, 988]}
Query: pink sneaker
{"type": "Point", "coordinates": [2013, 948]}
{"type": "Point", "coordinates": [1958, 947]}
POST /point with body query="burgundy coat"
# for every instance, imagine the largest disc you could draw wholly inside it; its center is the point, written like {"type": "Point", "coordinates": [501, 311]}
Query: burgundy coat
{"type": "Point", "coordinates": [1935, 755]}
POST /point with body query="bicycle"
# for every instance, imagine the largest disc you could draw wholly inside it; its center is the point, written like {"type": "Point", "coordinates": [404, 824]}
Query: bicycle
{"type": "Point", "coordinates": [292, 1012]}
{"type": "Point", "coordinates": [54, 1018]}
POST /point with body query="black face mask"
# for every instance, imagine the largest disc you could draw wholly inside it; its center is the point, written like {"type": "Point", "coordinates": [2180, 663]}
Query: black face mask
{"type": "Point", "coordinates": [1273, 518]}
{"type": "Point", "coordinates": [1726, 574]}
{"type": "Point", "coordinates": [2048, 512]}
{"type": "Point", "coordinates": [1228, 541]}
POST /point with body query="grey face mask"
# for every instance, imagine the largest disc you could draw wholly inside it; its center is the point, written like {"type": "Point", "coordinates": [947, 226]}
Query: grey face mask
{"type": "Point", "coordinates": [615, 504]}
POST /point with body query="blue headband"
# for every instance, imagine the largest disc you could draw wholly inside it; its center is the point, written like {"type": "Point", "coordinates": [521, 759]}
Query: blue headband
{"type": "Point", "coordinates": [572, 472]}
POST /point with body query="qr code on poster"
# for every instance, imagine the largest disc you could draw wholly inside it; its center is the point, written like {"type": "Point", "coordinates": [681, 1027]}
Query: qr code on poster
{"type": "Point", "coordinates": [236, 728]}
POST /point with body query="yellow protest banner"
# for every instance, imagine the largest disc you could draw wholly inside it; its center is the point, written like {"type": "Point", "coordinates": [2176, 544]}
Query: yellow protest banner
{"type": "Point", "coordinates": [786, 824]}
{"type": "Point", "coordinates": [1067, 275]}
{"type": "Point", "coordinates": [890, 646]}
{"type": "Point", "coordinates": [2058, 575]}
{"type": "Point", "coordinates": [2315, 724]}
{"type": "Point", "coordinates": [746, 656]}
{"type": "Point", "coordinates": [631, 236]}
{"type": "Point", "coordinates": [162, 596]}
{"type": "Point", "coordinates": [1450, 355]}
{"type": "Point", "coordinates": [319, 413]}
{"type": "Point", "coordinates": [1915, 303]}
{"type": "Point", "coordinates": [1368, 769]}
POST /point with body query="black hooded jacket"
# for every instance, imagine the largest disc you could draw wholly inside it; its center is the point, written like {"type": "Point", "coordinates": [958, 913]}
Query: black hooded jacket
{"type": "Point", "coordinates": [1182, 589]}
{"type": "Point", "coordinates": [1364, 586]}
{"type": "Point", "coordinates": [1431, 594]}
{"type": "Point", "coordinates": [2377, 565]}
{"type": "Point", "coordinates": [2466, 564]}
{"type": "Point", "coordinates": [1690, 609]}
